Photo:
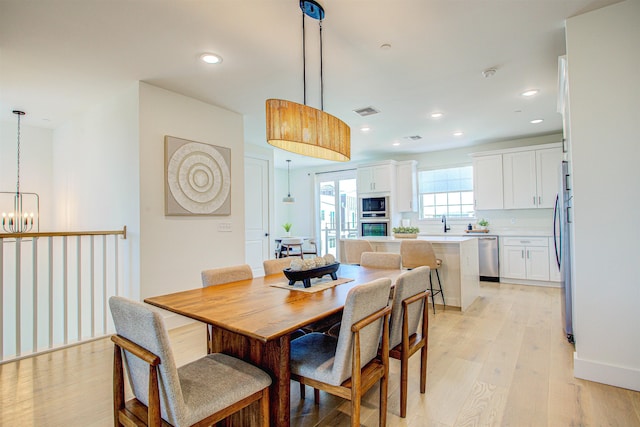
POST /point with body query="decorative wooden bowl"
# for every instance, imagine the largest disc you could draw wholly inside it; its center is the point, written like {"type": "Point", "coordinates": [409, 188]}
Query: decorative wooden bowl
{"type": "Point", "coordinates": [306, 275]}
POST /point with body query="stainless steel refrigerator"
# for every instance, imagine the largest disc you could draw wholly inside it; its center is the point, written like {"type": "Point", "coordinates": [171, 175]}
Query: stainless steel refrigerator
{"type": "Point", "coordinates": [562, 217]}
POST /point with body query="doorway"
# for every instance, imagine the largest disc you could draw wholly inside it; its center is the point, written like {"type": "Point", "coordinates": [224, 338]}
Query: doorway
{"type": "Point", "coordinates": [338, 210]}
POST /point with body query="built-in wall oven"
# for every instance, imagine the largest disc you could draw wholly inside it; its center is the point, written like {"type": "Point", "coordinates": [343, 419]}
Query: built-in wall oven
{"type": "Point", "coordinates": [369, 228]}
{"type": "Point", "coordinates": [374, 216]}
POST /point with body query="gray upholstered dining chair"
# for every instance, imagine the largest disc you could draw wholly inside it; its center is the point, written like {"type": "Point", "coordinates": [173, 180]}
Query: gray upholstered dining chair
{"type": "Point", "coordinates": [220, 276]}
{"type": "Point", "coordinates": [382, 260]}
{"type": "Point", "coordinates": [273, 266]}
{"type": "Point", "coordinates": [202, 392]}
{"type": "Point", "coordinates": [353, 249]}
{"type": "Point", "coordinates": [416, 253]}
{"type": "Point", "coordinates": [349, 365]}
{"type": "Point", "coordinates": [409, 327]}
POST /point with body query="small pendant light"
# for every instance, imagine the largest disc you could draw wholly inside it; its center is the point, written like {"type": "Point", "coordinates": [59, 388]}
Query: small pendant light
{"type": "Point", "coordinates": [288, 199]}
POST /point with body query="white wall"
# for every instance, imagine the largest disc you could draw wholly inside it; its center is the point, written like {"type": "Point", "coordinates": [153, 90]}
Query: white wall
{"type": "Point", "coordinates": [95, 175]}
{"type": "Point", "coordinates": [35, 165]}
{"type": "Point", "coordinates": [603, 53]}
{"type": "Point", "coordinates": [175, 249]}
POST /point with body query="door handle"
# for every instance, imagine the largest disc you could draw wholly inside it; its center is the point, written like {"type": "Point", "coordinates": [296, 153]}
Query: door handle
{"type": "Point", "coordinates": [266, 234]}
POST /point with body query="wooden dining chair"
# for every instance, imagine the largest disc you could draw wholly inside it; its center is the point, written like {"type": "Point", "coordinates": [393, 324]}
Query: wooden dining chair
{"type": "Point", "coordinates": [350, 365]}
{"type": "Point", "coordinates": [200, 393]}
{"type": "Point", "coordinates": [409, 327]}
{"type": "Point", "coordinates": [353, 249]}
{"type": "Point", "coordinates": [273, 266]}
{"type": "Point", "coordinates": [416, 253]}
{"type": "Point", "coordinates": [220, 276]}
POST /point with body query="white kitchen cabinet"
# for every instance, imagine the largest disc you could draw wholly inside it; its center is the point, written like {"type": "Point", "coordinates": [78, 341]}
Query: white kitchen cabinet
{"type": "Point", "coordinates": [376, 178]}
{"type": "Point", "coordinates": [406, 186]}
{"type": "Point", "coordinates": [525, 258]}
{"type": "Point", "coordinates": [487, 182]}
{"type": "Point", "coordinates": [548, 176]}
{"type": "Point", "coordinates": [531, 178]}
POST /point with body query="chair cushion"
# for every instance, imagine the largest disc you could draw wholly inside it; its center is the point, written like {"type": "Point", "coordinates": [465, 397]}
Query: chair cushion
{"type": "Point", "coordinates": [313, 355]}
{"type": "Point", "coordinates": [215, 382]}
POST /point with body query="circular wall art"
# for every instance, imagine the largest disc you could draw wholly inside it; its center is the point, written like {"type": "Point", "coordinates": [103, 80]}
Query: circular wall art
{"type": "Point", "coordinates": [198, 178]}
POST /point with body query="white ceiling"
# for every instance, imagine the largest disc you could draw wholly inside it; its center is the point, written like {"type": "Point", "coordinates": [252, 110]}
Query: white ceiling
{"type": "Point", "coordinates": [60, 57]}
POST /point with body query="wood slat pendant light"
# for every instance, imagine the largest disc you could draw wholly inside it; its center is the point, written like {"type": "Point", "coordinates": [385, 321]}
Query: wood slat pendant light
{"type": "Point", "coordinates": [305, 130]}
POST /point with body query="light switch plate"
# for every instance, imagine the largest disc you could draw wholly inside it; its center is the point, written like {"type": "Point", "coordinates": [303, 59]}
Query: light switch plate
{"type": "Point", "coordinates": [224, 226]}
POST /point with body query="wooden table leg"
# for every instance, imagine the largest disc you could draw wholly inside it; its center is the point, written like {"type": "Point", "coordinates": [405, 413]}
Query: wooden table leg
{"type": "Point", "coordinates": [273, 357]}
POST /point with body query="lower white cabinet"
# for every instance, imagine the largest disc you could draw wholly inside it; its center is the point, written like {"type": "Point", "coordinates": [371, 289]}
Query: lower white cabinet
{"type": "Point", "coordinates": [525, 258]}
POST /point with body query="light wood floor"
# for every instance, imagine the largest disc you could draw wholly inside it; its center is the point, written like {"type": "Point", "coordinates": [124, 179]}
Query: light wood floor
{"type": "Point", "coordinates": [504, 362]}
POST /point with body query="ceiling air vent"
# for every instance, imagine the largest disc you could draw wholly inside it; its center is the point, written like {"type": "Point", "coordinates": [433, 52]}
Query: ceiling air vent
{"type": "Point", "coordinates": [366, 111]}
{"type": "Point", "coordinates": [413, 137]}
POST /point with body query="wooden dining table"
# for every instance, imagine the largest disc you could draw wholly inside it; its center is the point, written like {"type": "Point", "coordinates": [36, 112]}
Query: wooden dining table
{"type": "Point", "coordinates": [253, 320]}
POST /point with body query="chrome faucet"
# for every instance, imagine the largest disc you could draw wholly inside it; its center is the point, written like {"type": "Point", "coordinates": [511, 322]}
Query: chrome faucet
{"type": "Point", "coordinates": [444, 220]}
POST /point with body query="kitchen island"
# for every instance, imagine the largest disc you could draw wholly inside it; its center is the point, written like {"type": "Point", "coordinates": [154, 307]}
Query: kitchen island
{"type": "Point", "coordinates": [459, 272]}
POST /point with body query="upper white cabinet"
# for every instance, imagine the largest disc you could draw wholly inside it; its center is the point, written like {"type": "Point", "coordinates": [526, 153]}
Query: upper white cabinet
{"type": "Point", "coordinates": [487, 182]}
{"type": "Point", "coordinates": [531, 178]}
{"type": "Point", "coordinates": [406, 186]}
{"type": "Point", "coordinates": [376, 178]}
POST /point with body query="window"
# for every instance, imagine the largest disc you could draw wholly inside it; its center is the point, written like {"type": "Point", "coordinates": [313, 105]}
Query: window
{"type": "Point", "coordinates": [446, 192]}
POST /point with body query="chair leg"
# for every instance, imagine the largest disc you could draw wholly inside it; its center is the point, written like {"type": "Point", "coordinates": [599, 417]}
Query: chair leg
{"type": "Point", "coordinates": [355, 411]}
{"type": "Point", "coordinates": [441, 291]}
{"type": "Point", "coordinates": [433, 303]}
{"type": "Point", "coordinates": [264, 407]}
{"type": "Point", "coordinates": [404, 380]}
{"type": "Point", "coordinates": [384, 389]}
{"type": "Point", "coordinates": [423, 369]}
{"type": "Point", "coordinates": [302, 391]}
{"type": "Point", "coordinates": [316, 396]}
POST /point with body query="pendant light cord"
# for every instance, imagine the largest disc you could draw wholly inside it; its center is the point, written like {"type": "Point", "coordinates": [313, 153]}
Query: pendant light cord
{"type": "Point", "coordinates": [304, 65]}
{"type": "Point", "coordinates": [321, 79]}
{"type": "Point", "coordinates": [288, 179]}
{"type": "Point", "coordinates": [304, 62]}
{"type": "Point", "coordinates": [19, 113]}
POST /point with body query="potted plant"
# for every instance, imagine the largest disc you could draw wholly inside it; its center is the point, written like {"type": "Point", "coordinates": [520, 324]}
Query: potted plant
{"type": "Point", "coordinates": [483, 223]}
{"type": "Point", "coordinates": [406, 232]}
{"type": "Point", "coordinates": [287, 227]}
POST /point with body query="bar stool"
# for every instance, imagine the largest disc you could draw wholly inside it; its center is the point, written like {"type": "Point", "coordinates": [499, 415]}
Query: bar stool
{"type": "Point", "coordinates": [416, 253]}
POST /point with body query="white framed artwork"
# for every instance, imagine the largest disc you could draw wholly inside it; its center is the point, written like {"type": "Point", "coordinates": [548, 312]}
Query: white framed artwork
{"type": "Point", "coordinates": [197, 178]}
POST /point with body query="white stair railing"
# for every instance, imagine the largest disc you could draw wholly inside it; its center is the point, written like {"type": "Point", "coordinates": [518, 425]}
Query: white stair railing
{"type": "Point", "coordinates": [54, 288]}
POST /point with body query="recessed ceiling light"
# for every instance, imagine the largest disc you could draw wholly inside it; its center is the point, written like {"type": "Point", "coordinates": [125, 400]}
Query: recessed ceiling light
{"type": "Point", "coordinates": [396, 143]}
{"type": "Point", "coordinates": [436, 115]}
{"type": "Point", "coordinates": [385, 46]}
{"type": "Point", "coordinates": [458, 133]}
{"type": "Point", "coordinates": [530, 92]}
{"type": "Point", "coordinates": [365, 129]}
{"type": "Point", "coordinates": [536, 121]}
{"type": "Point", "coordinates": [211, 58]}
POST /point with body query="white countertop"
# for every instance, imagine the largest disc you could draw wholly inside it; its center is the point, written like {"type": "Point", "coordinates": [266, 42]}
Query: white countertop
{"type": "Point", "coordinates": [430, 238]}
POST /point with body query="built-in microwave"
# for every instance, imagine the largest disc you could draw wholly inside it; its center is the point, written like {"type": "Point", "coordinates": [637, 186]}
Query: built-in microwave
{"type": "Point", "coordinates": [374, 228]}
{"type": "Point", "coordinates": [374, 207]}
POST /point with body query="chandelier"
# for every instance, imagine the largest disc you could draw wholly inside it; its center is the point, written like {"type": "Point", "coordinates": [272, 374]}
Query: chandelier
{"type": "Point", "coordinates": [20, 219]}
{"type": "Point", "coordinates": [302, 129]}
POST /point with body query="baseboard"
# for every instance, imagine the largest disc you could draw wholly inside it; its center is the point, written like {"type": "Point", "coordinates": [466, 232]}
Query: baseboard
{"type": "Point", "coordinates": [508, 280]}
{"type": "Point", "coordinates": [617, 376]}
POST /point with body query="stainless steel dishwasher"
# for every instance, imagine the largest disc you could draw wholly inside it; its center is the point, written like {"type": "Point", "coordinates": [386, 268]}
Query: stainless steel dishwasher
{"type": "Point", "coordinates": [488, 257]}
